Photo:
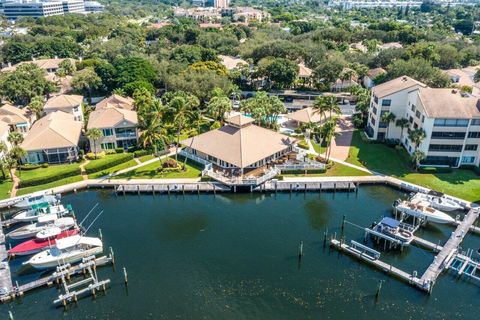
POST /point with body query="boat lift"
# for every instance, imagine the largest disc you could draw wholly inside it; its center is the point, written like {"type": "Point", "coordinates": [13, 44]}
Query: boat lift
{"type": "Point", "coordinates": [463, 264]}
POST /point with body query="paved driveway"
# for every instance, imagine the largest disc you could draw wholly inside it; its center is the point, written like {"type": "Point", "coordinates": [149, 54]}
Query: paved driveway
{"type": "Point", "coordinates": [343, 138]}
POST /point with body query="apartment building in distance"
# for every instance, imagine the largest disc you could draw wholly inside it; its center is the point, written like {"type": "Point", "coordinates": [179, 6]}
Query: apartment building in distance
{"type": "Point", "coordinates": [450, 119]}
{"type": "Point", "coordinates": [37, 8]}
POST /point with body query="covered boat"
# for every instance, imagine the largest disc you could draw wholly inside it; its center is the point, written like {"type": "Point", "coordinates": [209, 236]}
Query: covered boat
{"type": "Point", "coordinates": [437, 201]}
{"type": "Point", "coordinates": [66, 250]}
{"type": "Point", "coordinates": [421, 209]}
{"type": "Point", "coordinates": [42, 209]}
{"type": "Point", "coordinates": [44, 222]}
{"type": "Point", "coordinates": [38, 244]}
{"type": "Point", "coordinates": [37, 199]}
{"type": "Point", "coordinates": [395, 229]}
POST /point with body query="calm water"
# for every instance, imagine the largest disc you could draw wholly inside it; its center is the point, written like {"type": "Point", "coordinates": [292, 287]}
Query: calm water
{"type": "Point", "coordinates": [235, 257]}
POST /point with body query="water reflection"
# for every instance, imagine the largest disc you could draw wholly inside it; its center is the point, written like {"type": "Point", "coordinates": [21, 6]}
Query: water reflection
{"type": "Point", "coordinates": [182, 227]}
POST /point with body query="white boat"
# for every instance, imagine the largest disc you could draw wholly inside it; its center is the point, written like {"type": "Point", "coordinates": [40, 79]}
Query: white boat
{"type": "Point", "coordinates": [37, 199]}
{"type": "Point", "coordinates": [43, 223]}
{"type": "Point", "coordinates": [41, 209]}
{"type": "Point", "coordinates": [66, 250]}
{"type": "Point", "coordinates": [421, 209]}
{"type": "Point", "coordinates": [437, 201]}
{"type": "Point", "coordinates": [394, 229]}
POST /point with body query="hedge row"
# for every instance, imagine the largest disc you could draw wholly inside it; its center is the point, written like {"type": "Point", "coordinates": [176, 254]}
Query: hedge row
{"type": "Point", "coordinates": [433, 170]}
{"type": "Point", "coordinates": [301, 171]}
{"type": "Point", "coordinates": [35, 181]}
{"type": "Point", "coordinates": [27, 167]}
{"type": "Point", "coordinates": [97, 166]}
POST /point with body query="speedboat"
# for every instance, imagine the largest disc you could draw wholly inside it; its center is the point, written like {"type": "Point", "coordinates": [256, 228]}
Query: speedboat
{"type": "Point", "coordinates": [37, 199]}
{"type": "Point", "coordinates": [38, 244]}
{"type": "Point", "coordinates": [437, 201]}
{"type": "Point", "coordinates": [42, 209]}
{"type": "Point", "coordinates": [421, 209]}
{"type": "Point", "coordinates": [395, 229]}
{"type": "Point", "coordinates": [44, 222]}
{"type": "Point", "coordinates": [67, 250]}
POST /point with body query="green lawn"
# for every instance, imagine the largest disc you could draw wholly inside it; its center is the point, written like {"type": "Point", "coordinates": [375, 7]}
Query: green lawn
{"type": "Point", "coordinates": [113, 169]}
{"type": "Point", "coordinates": [318, 148]}
{"type": "Point", "coordinates": [5, 188]}
{"type": "Point", "coordinates": [106, 159]}
{"type": "Point", "coordinates": [395, 162]}
{"type": "Point", "coordinates": [150, 172]}
{"type": "Point", "coordinates": [337, 169]}
{"type": "Point", "coordinates": [146, 158]}
{"type": "Point", "coordinates": [54, 169]}
{"type": "Point", "coordinates": [49, 185]}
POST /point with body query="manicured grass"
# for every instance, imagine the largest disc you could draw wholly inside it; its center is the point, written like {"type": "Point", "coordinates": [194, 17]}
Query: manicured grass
{"type": "Point", "coordinates": [54, 169]}
{"type": "Point", "coordinates": [150, 171]}
{"type": "Point", "coordinates": [378, 157]}
{"type": "Point", "coordinates": [113, 169]}
{"type": "Point", "coordinates": [50, 185]}
{"type": "Point", "coordinates": [337, 169]}
{"type": "Point", "coordinates": [146, 158]}
{"type": "Point", "coordinates": [105, 160]}
{"type": "Point", "coordinates": [318, 148]}
{"type": "Point", "coordinates": [5, 188]}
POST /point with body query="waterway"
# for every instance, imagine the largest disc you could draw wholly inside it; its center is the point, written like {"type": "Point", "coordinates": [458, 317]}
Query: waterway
{"type": "Point", "coordinates": [235, 256]}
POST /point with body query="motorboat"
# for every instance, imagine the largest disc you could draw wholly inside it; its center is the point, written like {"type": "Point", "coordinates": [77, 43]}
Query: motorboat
{"type": "Point", "coordinates": [38, 244]}
{"type": "Point", "coordinates": [394, 229]}
{"type": "Point", "coordinates": [437, 201]}
{"type": "Point", "coordinates": [44, 222]}
{"type": "Point", "coordinates": [67, 250]}
{"type": "Point", "coordinates": [37, 199]}
{"type": "Point", "coordinates": [422, 210]}
{"type": "Point", "coordinates": [42, 209]}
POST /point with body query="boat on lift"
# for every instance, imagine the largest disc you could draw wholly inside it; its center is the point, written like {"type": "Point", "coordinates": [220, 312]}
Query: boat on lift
{"type": "Point", "coordinates": [43, 223]}
{"type": "Point", "coordinates": [36, 199]}
{"type": "Point", "coordinates": [67, 250]}
{"type": "Point", "coordinates": [422, 210]}
{"type": "Point", "coordinates": [42, 209]}
{"type": "Point", "coordinates": [38, 244]}
{"type": "Point", "coordinates": [394, 229]}
{"type": "Point", "coordinates": [437, 200]}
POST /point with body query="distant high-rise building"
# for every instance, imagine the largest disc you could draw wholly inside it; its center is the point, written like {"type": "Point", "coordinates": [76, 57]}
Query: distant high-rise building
{"type": "Point", "coordinates": [222, 4]}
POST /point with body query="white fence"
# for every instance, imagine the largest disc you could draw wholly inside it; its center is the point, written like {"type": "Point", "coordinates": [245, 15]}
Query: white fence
{"type": "Point", "coordinates": [194, 157]}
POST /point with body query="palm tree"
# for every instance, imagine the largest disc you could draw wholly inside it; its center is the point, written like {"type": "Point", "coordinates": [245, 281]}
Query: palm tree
{"type": "Point", "coordinates": [36, 106]}
{"type": "Point", "coordinates": [94, 134]}
{"type": "Point", "coordinates": [387, 117]}
{"type": "Point", "coordinates": [15, 138]}
{"type": "Point", "coordinates": [3, 150]}
{"type": "Point", "coordinates": [218, 107]}
{"type": "Point", "coordinates": [152, 134]}
{"type": "Point", "coordinates": [16, 154]}
{"type": "Point", "coordinates": [402, 123]}
{"type": "Point", "coordinates": [417, 136]}
{"type": "Point", "coordinates": [417, 156]}
{"type": "Point", "coordinates": [9, 163]}
{"type": "Point", "coordinates": [328, 131]}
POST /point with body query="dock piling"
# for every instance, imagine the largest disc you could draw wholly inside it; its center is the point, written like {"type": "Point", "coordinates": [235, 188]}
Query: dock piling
{"type": "Point", "coordinates": [378, 288]}
{"type": "Point", "coordinates": [10, 315]}
{"type": "Point", "coordinates": [343, 223]}
{"type": "Point", "coordinates": [100, 234]}
{"type": "Point", "coordinates": [125, 275]}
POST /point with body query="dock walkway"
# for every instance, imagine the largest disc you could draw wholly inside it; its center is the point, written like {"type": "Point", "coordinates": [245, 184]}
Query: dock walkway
{"type": "Point", "coordinates": [6, 285]}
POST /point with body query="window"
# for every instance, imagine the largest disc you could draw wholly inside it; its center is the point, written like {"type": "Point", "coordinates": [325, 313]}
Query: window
{"type": "Point", "coordinates": [75, 109]}
{"type": "Point", "coordinates": [108, 146]}
{"type": "Point", "coordinates": [445, 147]}
{"type": "Point", "coordinates": [448, 135]}
{"type": "Point", "coordinates": [107, 132]}
{"type": "Point", "coordinates": [413, 107]}
{"type": "Point", "coordinates": [418, 114]}
{"type": "Point", "coordinates": [372, 119]}
{"type": "Point", "coordinates": [415, 126]}
{"type": "Point", "coordinates": [375, 98]}
{"type": "Point", "coordinates": [410, 120]}
{"type": "Point", "coordinates": [441, 160]}
{"type": "Point", "coordinates": [451, 123]}
{"type": "Point", "coordinates": [474, 134]}
{"type": "Point", "coordinates": [386, 103]}
{"type": "Point", "coordinates": [475, 122]}
{"type": "Point", "coordinates": [374, 110]}
{"type": "Point", "coordinates": [471, 147]}
{"type": "Point", "coordinates": [468, 160]}
{"type": "Point", "coordinates": [423, 119]}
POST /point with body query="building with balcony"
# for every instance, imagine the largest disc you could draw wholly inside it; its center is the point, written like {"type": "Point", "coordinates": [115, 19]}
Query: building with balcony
{"type": "Point", "coordinates": [53, 139]}
{"type": "Point", "coordinates": [118, 126]}
{"type": "Point", "coordinates": [67, 103]}
{"type": "Point", "coordinates": [450, 119]}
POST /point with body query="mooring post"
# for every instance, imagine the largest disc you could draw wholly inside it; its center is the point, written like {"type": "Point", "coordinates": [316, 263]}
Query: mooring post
{"type": "Point", "coordinates": [138, 189]}
{"type": "Point", "coordinates": [379, 288]}
{"type": "Point", "coordinates": [123, 189]}
{"type": "Point", "coordinates": [276, 187]}
{"type": "Point", "coordinates": [343, 222]}
{"type": "Point", "coordinates": [290, 188]}
{"type": "Point", "coordinates": [300, 248]}
{"type": "Point", "coordinates": [214, 189]}
{"type": "Point", "coordinates": [198, 189]}
{"type": "Point", "coordinates": [325, 237]}
{"type": "Point", "coordinates": [320, 190]}
{"type": "Point", "coordinates": [168, 189]}
{"type": "Point", "coordinates": [10, 315]}
{"type": "Point", "coordinates": [305, 190]}
{"type": "Point", "coordinates": [112, 256]}
{"type": "Point", "coordinates": [334, 187]}
{"type": "Point", "coordinates": [153, 190]}
{"type": "Point", "coordinates": [125, 275]}
{"type": "Point", "coordinates": [234, 189]}
{"type": "Point", "coordinates": [183, 189]}
{"type": "Point", "coordinates": [100, 234]}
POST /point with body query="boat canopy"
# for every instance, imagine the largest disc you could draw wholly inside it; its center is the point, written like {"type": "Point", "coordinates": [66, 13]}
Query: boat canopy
{"type": "Point", "coordinates": [435, 193]}
{"type": "Point", "coordinates": [76, 239]}
{"type": "Point", "coordinates": [41, 205]}
{"type": "Point", "coordinates": [389, 222]}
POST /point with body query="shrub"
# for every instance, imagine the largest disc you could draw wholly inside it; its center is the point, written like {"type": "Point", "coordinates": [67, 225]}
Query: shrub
{"type": "Point", "coordinates": [279, 177]}
{"type": "Point", "coordinates": [303, 144]}
{"type": "Point", "coordinates": [119, 150]}
{"type": "Point", "coordinates": [29, 166]}
{"type": "Point", "coordinates": [45, 165]}
{"type": "Point", "coordinates": [434, 170]}
{"type": "Point", "coordinates": [35, 181]}
{"type": "Point", "coordinates": [91, 155]}
{"type": "Point", "coordinates": [141, 153]}
{"type": "Point", "coordinates": [96, 166]}
{"type": "Point", "coordinates": [301, 171]}
{"type": "Point", "coordinates": [170, 163]}
{"type": "Point", "coordinates": [111, 151]}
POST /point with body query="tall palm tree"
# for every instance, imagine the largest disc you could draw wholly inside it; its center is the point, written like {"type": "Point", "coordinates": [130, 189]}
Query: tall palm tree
{"type": "Point", "coordinates": [36, 106]}
{"type": "Point", "coordinates": [16, 154]}
{"type": "Point", "coordinates": [94, 134]}
{"type": "Point", "coordinates": [328, 131]}
{"type": "Point", "coordinates": [417, 136]}
{"type": "Point", "coordinates": [15, 138]}
{"type": "Point", "coordinates": [153, 133]}
{"type": "Point", "coordinates": [402, 123]}
{"type": "Point", "coordinates": [387, 118]}
{"type": "Point", "coordinates": [3, 150]}
{"type": "Point", "coordinates": [417, 156]}
{"type": "Point", "coordinates": [218, 107]}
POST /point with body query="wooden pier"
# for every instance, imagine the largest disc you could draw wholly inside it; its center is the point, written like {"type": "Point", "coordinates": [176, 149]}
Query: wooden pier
{"type": "Point", "coordinates": [5, 275]}
{"type": "Point", "coordinates": [283, 186]}
{"type": "Point", "coordinates": [171, 188]}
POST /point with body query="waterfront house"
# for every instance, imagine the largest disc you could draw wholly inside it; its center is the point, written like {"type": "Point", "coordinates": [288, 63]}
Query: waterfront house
{"type": "Point", "coordinates": [67, 103]}
{"type": "Point", "coordinates": [19, 119]}
{"type": "Point", "coordinates": [53, 139]}
{"type": "Point", "coordinates": [118, 126]}
{"type": "Point", "coordinates": [450, 119]}
{"type": "Point", "coordinates": [116, 101]}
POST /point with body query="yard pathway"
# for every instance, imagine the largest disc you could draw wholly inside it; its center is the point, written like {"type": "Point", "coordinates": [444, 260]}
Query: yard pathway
{"type": "Point", "coordinates": [137, 161]}
{"type": "Point", "coordinates": [341, 142]}
{"type": "Point", "coordinates": [83, 172]}
{"type": "Point", "coordinates": [16, 182]}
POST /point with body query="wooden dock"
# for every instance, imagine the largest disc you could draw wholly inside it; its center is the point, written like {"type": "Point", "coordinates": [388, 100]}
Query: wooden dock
{"type": "Point", "coordinates": [171, 188]}
{"type": "Point", "coordinates": [426, 244]}
{"type": "Point", "coordinates": [441, 259]}
{"type": "Point", "coordinates": [6, 285]}
{"type": "Point", "coordinates": [283, 186]}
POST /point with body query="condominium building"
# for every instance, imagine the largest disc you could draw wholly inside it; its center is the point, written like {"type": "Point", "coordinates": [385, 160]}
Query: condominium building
{"type": "Point", "coordinates": [94, 7]}
{"type": "Point", "coordinates": [449, 118]}
{"type": "Point", "coordinates": [73, 6]}
{"type": "Point", "coordinates": [37, 8]}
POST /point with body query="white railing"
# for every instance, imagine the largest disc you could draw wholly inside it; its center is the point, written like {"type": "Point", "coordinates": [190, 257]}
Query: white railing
{"type": "Point", "coordinates": [301, 166]}
{"type": "Point", "coordinates": [242, 180]}
{"type": "Point", "coordinates": [194, 157]}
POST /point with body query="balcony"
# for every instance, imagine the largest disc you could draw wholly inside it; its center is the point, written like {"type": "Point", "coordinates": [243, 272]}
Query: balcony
{"type": "Point", "coordinates": [125, 134]}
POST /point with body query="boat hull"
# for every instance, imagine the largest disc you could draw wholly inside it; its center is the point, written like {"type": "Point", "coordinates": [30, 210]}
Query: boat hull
{"type": "Point", "coordinates": [71, 258]}
{"type": "Point", "coordinates": [34, 246]}
{"type": "Point", "coordinates": [440, 219]}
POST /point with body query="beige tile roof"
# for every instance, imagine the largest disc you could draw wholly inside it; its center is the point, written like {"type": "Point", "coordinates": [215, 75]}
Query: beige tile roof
{"type": "Point", "coordinates": [42, 63]}
{"type": "Point", "coordinates": [63, 101]}
{"type": "Point", "coordinates": [373, 73]}
{"type": "Point", "coordinates": [395, 85]}
{"type": "Point", "coordinates": [4, 128]}
{"type": "Point", "coordinates": [56, 130]}
{"type": "Point", "coordinates": [240, 147]}
{"type": "Point", "coordinates": [116, 101]}
{"type": "Point", "coordinates": [305, 115]}
{"type": "Point", "coordinates": [304, 71]}
{"type": "Point", "coordinates": [13, 115]}
{"type": "Point", "coordinates": [239, 120]}
{"type": "Point", "coordinates": [232, 62]}
{"type": "Point", "coordinates": [111, 117]}
{"type": "Point", "coordinates": [448, 103]}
